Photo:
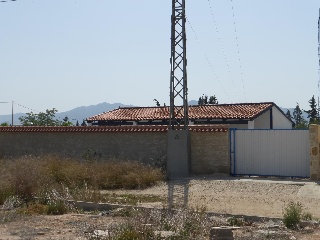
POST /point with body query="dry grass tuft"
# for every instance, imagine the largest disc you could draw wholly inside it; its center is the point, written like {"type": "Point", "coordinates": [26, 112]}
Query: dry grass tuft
{"type": "Point", "coordinates": [148, 224]}
{"type": "Point", "coordinates": [38, 177]}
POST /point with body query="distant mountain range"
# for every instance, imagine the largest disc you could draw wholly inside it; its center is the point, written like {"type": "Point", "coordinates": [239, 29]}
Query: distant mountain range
{"type": "Point", "coordinates": [81, 113]}
{"type": "Point", "coordinates": [74, 115]}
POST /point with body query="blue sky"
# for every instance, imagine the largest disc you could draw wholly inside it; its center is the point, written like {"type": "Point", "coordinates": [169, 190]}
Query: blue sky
{"type": "Point", "coordinates": [64, 54]}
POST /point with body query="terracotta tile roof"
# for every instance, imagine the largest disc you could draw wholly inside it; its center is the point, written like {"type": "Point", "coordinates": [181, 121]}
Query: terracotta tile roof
{"type": "Point", "coordinates": [219, 111]}
{"type": "Point", "coordinates": [147, 128]}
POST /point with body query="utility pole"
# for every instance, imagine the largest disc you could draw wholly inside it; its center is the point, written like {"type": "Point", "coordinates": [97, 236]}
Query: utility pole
{"type": "Point", "coordinates": [178, 60]}
{"type": "Point", "coordinates": [178, 144]}
{"type": "Point", "coordinates": [12, 114]}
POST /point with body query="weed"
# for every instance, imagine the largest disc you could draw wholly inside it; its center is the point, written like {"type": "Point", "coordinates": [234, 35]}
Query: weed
{"type": "Point", "coordinates": [33, 177]}
{"type": "Point", "coordinates": [307, 216]}
{"type": "Point", "coordinates": [292, 215]}
{"type": "Point", "coordinates": [127, 232]}
{"type": "Point", "coordinates": [186, 224]}
{"type": "Point", "coordinates": [12, 202]}
{"type": "Point", "coordinates": [33, 208]}
{"type": "Point", "coordinates": [57, 207]}
{"type": "Point", "coordinates": [234, 221]}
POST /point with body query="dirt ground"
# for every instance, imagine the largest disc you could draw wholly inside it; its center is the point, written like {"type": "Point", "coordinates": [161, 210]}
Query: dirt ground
{"type": "Point", "coordinates": [219, 195]}
{"type": "Point", "coordinates": [239, 196]}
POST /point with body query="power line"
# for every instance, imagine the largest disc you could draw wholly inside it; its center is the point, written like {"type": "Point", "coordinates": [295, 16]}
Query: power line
{"type": "Point", "coordinates": [32, 110]}
{"type": "Point", "coordinates": [222, 48]}
{"type": "Point", "coordinates": [206, 57]}
{"type": "Point", "coordinates": [238, 49]}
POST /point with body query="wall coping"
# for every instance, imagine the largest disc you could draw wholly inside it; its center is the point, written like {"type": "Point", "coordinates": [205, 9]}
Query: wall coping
{"type": "Point", "coordinates": [141, 128]}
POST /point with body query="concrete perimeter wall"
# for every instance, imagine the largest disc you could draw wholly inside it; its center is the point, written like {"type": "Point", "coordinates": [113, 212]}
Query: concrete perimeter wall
{"type": "Point", "coordinates": [147, 147]}
{"type": "Point", "coordinates": [209, 149]}
{"type": "Point", "coordinates": [210, 152]}
{"type": "Point", "coordinates": [314, 137]}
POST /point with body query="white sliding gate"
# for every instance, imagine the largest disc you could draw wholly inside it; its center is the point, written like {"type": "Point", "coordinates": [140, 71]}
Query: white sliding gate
{"type": "Point", "coordinates": [270, 152]}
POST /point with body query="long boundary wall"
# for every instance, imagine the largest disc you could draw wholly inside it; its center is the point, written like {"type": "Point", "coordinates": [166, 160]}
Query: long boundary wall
{"type": "Point", "coordinates": [314, 137]}
{"type": "Point", "coordinates": [148, 144]}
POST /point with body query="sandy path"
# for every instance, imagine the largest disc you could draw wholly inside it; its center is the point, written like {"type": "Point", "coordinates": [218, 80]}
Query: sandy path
{"type": "Point", "coordinates": [247, 196]}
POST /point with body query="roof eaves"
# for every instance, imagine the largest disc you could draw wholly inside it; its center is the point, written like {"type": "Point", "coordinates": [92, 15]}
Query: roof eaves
{"type": "Point", "coordinates": [264, 111]}
{"type": "Point", "coordinates": [284, 113]}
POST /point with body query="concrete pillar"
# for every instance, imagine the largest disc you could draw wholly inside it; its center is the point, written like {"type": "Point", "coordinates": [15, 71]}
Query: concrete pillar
{"type": "Point", "coordinates": [221, 233]}
{"type": "Point", "coordinates": [314, 141]}
{"type": "Point", "coordinates": [178, 153]}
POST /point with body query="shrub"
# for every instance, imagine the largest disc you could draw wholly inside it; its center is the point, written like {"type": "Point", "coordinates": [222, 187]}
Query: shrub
{"type": "Point", "coordinates": [22, 177]}
{"type": "Point", "coordinates": [29, 177]}
{"type": "Point", "coordinates": [126, 175]}
{"type": "Point", "coordinates": [234, 221]}
{"type": "Point", "coordinates": [57, 207]}
{"type": "Point", "coordinates": [6, 191]}
{"type": "Point", "coordinates": [292, 215]}
{"type": "Point", "coordinates": [143, 224]}
{"type": "Point", "coordinates": [127, 232]}
{"type": "Point", "coordinates": [33, 208]}
{"type": "Point", "coordinates": [307, 216]}
{"type": "Point", "coordinates": [56, 201]}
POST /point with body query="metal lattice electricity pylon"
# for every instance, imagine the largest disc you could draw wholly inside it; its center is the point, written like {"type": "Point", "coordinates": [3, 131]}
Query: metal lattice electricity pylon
{"type": "Point", "coordinates": [178, 76]}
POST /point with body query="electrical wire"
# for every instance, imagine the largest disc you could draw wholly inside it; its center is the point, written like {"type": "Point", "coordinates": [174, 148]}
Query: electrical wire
{"type": "Point", "coordinates": [32, 110]}
{"type": "Point", "coordinates": [206, 57]}
{"type": "Point", "coordinates": [222, 48]}
{"type": "Point", "coordinates": [238, 49]}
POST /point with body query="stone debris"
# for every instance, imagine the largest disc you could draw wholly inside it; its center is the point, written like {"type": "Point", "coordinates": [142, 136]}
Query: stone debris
{"type": "Point", "coordinates": [165, 234]}
{"type": "Point", "coordinates": [100, 233]}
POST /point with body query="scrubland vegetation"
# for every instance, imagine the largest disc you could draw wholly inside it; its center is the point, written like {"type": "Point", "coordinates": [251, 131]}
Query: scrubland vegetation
{"type": "Point", "coordinates": [49, 180]}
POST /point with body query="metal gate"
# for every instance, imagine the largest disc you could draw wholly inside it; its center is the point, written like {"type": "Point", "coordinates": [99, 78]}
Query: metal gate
{"type": "Point", "coordinates": [270, 152]}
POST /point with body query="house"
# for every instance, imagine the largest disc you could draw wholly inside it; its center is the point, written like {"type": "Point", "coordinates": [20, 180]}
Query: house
{"type": "Point", "coordinates": [266, 115]}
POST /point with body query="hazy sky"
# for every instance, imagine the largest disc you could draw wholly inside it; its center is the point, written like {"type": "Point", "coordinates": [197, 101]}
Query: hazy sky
{"type": "Point", "coordinates": [64, 54]}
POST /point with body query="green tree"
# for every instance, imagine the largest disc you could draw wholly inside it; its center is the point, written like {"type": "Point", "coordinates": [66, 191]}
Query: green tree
{"type": "Point", "coordinates": [213, 100]}
{"type": "Point", "coordinates": [46, 118]}
{"type": "Point", "coordinates": [298, 119]}
{"type": "Point", "coordinates": [205, 100]}
{"type": "Point", "coordinates": [4, 124]}
{"type": "Point", "coordinates": [288, 114]}
{"type": "Point", "coordinates": [66, 122]}
{"type": "Point", "coordinates": [313, 112]}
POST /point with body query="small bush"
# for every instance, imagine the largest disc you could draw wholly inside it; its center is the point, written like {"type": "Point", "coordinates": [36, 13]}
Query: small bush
{"type": "Point", "coordinates": [34, 208]}
{"type": "Point", "coordinates": [57, 207]}
{"type": "Point", "coordinates": [292, 215]}
{"type": "Point", "coordinates": [5, 192]}
{"type": "Point", "coordinates": [234, 221]}
{"type": "Point", "coordinates": [143, 224]}
{"type": "Point", "coordinates": [127, 232]}
{"type": "Point", "coordinates": [306, 216]}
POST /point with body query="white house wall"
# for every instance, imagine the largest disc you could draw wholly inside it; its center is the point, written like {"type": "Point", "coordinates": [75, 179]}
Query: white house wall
{"type": "Point", "coordinates": [279, 120]}
{"type": "Point", "coordinates": [263, 121]}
